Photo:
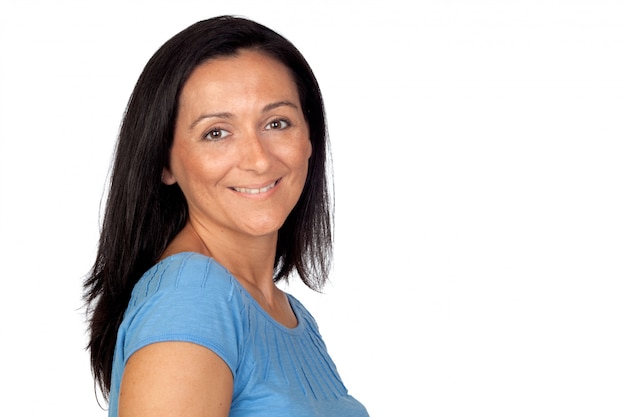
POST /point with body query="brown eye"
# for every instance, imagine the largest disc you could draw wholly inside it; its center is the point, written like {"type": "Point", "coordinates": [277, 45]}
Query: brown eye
{"type": "Point", "coordinates": [216, 134]}
{"type": "Point", "coordinates": [277, 124]}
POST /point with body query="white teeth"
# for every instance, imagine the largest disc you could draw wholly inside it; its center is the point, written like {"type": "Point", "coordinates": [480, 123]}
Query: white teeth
{"type": "Point", "coordinates": [255, 190]}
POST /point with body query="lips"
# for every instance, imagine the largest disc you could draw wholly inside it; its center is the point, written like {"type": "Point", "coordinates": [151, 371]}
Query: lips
{"type": "Point", "coordinates": [256, 190]}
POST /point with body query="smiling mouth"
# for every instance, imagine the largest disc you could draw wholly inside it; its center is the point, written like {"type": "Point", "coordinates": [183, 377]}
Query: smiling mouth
{"type": "Point", "coordinates": [256, 190]}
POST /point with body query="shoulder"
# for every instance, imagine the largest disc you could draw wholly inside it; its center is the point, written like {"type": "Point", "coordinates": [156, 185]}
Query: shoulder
{"type": "Point", "coordinates": [186, 297]}
{"type": "Point", "coordinates": [181, 324]}
{"type": "Point", "coordinates": [183, 272]}
{"type": "Point", "coordinates": [183, 289]}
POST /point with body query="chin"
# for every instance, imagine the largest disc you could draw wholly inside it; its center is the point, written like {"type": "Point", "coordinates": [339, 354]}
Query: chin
{"type": "Point", "coordinates": [265, 228]}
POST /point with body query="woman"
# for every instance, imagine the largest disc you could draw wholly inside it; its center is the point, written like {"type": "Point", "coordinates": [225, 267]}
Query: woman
{"type": "Point", "coordinates": [218, 191]}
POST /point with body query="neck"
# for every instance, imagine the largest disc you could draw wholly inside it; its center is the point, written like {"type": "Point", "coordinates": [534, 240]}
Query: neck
{"type": "Point", "coordinates": [249, 258]}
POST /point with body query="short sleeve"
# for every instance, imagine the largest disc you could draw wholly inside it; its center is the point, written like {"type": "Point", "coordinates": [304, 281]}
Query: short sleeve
{"type": "Point", "coordinates": [189, 299]}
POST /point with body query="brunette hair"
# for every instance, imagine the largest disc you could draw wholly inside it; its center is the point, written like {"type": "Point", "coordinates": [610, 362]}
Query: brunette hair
{"type": "Point", "coordinates": [143, 215]}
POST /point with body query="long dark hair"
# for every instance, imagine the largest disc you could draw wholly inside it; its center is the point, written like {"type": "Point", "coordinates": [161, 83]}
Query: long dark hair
{"type": "Point", "coordinates": [143, 215]}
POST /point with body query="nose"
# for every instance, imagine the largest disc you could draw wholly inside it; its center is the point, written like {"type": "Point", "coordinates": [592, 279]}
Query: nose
{"type": "Point", "coordinates": [254, 154]}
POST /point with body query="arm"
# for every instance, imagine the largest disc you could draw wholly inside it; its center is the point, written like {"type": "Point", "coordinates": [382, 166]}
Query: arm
{"type": "Point", "coordinates": [175, 379]}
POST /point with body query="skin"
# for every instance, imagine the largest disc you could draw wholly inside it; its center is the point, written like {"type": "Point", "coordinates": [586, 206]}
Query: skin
{"type": "Point", "coordinates": [240, 155]}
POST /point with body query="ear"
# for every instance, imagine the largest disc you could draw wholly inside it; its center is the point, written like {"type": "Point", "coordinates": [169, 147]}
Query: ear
{"type": "Point", "coordinates": [167, 177]}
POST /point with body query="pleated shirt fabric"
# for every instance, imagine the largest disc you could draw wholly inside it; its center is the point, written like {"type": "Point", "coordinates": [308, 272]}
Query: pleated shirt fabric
{"type": "Point", "coordinates": [278, 371]}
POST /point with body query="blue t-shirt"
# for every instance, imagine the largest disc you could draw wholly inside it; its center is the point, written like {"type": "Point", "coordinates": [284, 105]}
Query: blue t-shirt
{"type": "Point", "coordinates": [278, 371]}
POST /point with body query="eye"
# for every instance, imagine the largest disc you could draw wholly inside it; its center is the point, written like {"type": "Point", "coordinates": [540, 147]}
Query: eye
{"type": "Point", "coordinates": [217, 134]}
{"type": "Point", "coordinates": [277, 124]}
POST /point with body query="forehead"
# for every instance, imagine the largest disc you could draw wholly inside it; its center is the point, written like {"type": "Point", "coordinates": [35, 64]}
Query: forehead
{"type": "Point", "coordinates": [248, 71]}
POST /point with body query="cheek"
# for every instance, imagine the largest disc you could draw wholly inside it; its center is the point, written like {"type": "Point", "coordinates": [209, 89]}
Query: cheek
{"type": "Point", "coordinates": [293, 151]}
{"type": "Point", "coordinates": [185, 167]}
{"type": "Point", "coordinates": [307, 156]}
{"type": "Point", "coordinates": [300, 157]}
{"type": "Point", "coordinates": [305, 150]}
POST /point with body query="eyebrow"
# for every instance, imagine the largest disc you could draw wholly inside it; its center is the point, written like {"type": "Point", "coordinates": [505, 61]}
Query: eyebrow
{"type": "Point", "coordinates": [227, 115]}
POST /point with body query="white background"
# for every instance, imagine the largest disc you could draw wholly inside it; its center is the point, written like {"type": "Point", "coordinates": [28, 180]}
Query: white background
{"type": "Point", "coordinates": [480, 170]}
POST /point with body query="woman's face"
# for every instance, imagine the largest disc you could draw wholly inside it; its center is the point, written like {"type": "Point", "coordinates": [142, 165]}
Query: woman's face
{"type": "Point", "coordinates": [241, 145]}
